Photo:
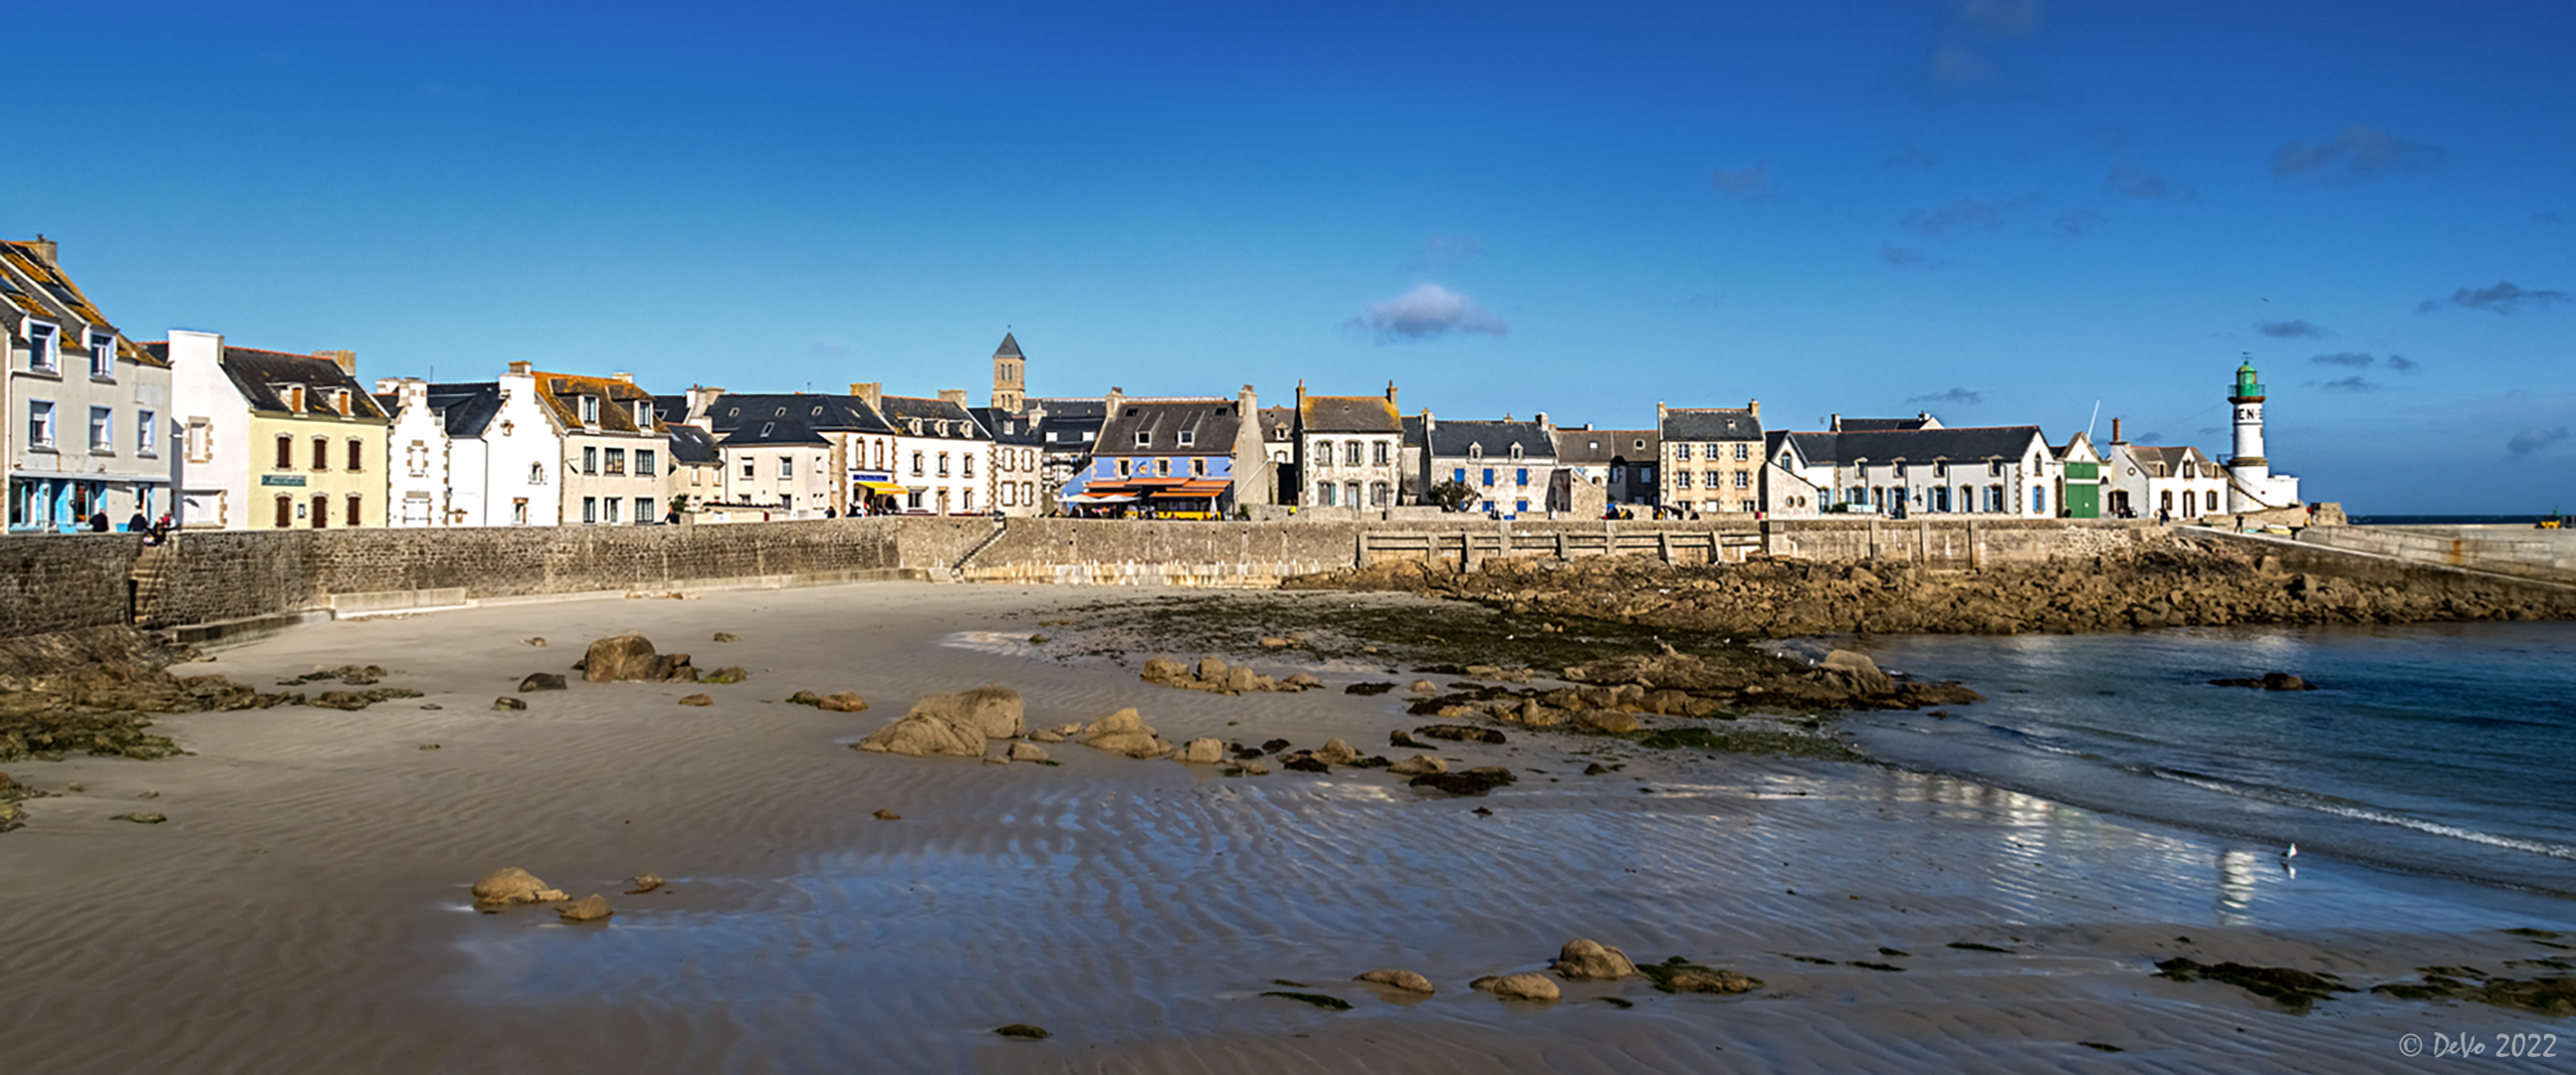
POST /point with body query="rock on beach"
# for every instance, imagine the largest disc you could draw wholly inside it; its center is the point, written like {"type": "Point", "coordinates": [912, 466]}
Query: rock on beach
{"type": "Point", "coordinates": [1583, 960]}
{"type": "Point", "coordinates": [1523, 986]}
{"type": "Point", "coordinates": [511, 884]}
{"type": "Point", "coordinates": [1397, 978]}
{"type": "Point", "coordinates": [956, 724]}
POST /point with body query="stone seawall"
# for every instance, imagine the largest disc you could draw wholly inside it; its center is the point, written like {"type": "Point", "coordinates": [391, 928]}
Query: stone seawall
{"type": "Point", "coordinates": [60, 583]}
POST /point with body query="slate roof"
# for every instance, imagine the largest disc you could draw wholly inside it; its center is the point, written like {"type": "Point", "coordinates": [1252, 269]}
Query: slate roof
{"type": "Point", "coordinates": [936, 417]}
{"type": "Point", "coordinates": [1490, 440]}
{"type": "Point", "coordinates": [1710, 423]}
{"type": "Point", "coordinates": [252, 371]}
{"type": "Point", "coordinates": [1279, 424]}
{"type": "Point", "coordinates": [1009, 346]}
{"type": "Point", "coordinates": [61, 300]}
{"type": "Point", "coordinates": [1587, 446]}
{"type": "Point", "coordinates": [1212, 422]}
{"type": "Point", "coordinates": [1882, 425]}
{"type": "Point", "coordinates": [1006, 427]}
{"type": "Point", "coordinates": [1348, 414]}
{"type": "Point", "coordinates": [1956, 444]}
{"type": "Point", "coordinates": [692, 446]}
{"type": "Point", "coordinates": [2159, 462]}
{"type": "Point", "coordinates": [559, 391]}
{"type": "Point", "coordinates": [466, 409]}
{"type": "Point", "coordinates": [789, 431]}
{"type": "Point", "coordinates": [827, 414]}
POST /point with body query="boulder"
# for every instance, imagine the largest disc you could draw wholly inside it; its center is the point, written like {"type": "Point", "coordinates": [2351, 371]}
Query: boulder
{"type": "Point", "coordinates": [511, 884]}
{"type": "Point", "coordinates": [1518, 986]}
{"type": "Point", "coordinates": [727, 636]}
{"type": "Point", "coordinates": [507, 702]}
{"type": "Point", "coordinates": [1026, 752]}
{"type": "Point", "coordinates": [1301, 681]}
{"type": "Point", "coordinates": [841, 702]}
{"type": "Point", "coordinates": [1857, 671]}
{"type": "Point", "coordinates": [1394, 978]}
{"type": "Point", "coordinates": [1249, 767]}
{"type": "Point", "coordinates": [543, 681]}
{"type": "Point", "coordinates": [1459, 733]}
{"type": "Point", "coordinates": [1274, 746]}
{"type": "Point", "coordinates": [1607, 721]}
{"type": "Point", "coordinates": [1401, 738]}
{"type": "Point", "coordinates": [1241, 680]}
{"type": "Point", "coordinates": [1200, 751]}
{"type": "Point", "coordinates": [1046, 735]}
{"type": "Point", "coordinates": [2283, 681]}
{"type": "Point", "coordinates": [1212, 669]}
{"type": "Point", "coordinates": [887, 815]}
{"type": "Point", "coordinates": [539, 642]}
{"type": "Point", "coordinates": [1119, 733]}
{"type": "Point", "coordinates": [1305, 764]}
{"type": "Point", "coordinates": [590, 908]}
{"type": "Point", "coordinates": [1476, 781]}
{"type": "Point", "coordinates": [1424, 686]}
{"type": "Point", "coordinates": [1270, 642]}
{"type": "Point", "coordinates": [621, 658]}
{"type": "Point", "coordinates": [727, 674]}
{"type": "Point", "coordinates": [698, 700]}
{"type": "Point", "coordinates": [805, 698]}
{"type": "Point", "coordinates": [1337, 752]}
{"type": "Point", "coordinates": [1418, 765]}
{"type": "Point", "coordinates": [953, 724]}
{"type": "Point", "coordinates": [1067, 730]}
{"type": "Point", "coordinates": [642, 883]}
{"type": "Point", "coordinates": [1165, 670]}
{"type": "Point", "coordinates": [1584, 960]}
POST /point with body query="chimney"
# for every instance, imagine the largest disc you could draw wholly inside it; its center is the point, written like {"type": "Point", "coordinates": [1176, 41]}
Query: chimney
{"type": "Point", "coordinates": [1301, 395]}
{"type": "Point", "coordinates": [1541, 418]}
{"type": "Point", "coordinates": [953, 395]}
{"type": "Point", "coordinates": [871, 393]}
{"type": "Point", "coordinates": [1247, 407]}
{"type": "Point", "coordinates": [1117, 396]}
{"type": "Point", "coordinates": [2115, 432]}
{"type": "Point", "coordinates": [622, 378]}
{"type": "Point", "coordinates": [1837, 424]}
{"type": "Point", "coordinates": [346, 360]}
{"type": "Point", "coordinates": [47, 249]}
{"type": "Point", "coordinates": [1390, 393]}
{"type": "Point", "coordinates": [1755, 406]}
{"type": "Point", "coordinates": [523, 368]}
{"type": "Point", "coordinates": [1428, 423]}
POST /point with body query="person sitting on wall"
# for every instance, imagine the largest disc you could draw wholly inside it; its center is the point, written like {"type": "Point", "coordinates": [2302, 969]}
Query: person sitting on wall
{"type": "Point", "coordinates": [98, 521]}
{"type": "Point", "coordinates": [138, 523]}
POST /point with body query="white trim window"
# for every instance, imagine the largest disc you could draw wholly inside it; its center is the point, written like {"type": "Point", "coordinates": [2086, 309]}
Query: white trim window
{"type": "Point", "coordinates": [40, 348]}
{"type": "Point", "coordinates": [40, 423]}
{"type": "Point", "coordinates": [145, 426]}
{"type": "Point", "coordinates": [102, 429]}
{"type": "Point", "coordinates": [590, 411]}
{"type": "Point", "coordinates": [102, 357]}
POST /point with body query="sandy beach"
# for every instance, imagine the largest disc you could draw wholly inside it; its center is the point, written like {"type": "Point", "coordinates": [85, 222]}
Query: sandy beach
{"type": "Point", "coordinates": [306, 905]}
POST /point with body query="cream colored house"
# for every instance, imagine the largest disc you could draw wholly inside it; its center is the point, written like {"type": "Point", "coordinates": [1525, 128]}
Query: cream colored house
{"type": "Point", "coordinates": [272, 440]}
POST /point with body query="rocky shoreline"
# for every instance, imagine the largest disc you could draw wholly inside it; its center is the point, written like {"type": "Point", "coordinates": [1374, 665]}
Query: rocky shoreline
{"type": "Point", "coordinates": [2173, 583]}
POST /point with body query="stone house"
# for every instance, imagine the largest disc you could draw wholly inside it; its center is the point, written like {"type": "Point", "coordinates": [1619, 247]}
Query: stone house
{"type": "Point", "coordinates": [1601, 458]}
{"type": "Point", "coordinates": [1349, 450]}
{"type": "Point", "coordinates": [1172, 455]}
{"type": "Point", "coordinates": [1279, 452]}
{"type": "Point", "coordinates": [1712, 458]}
{"type": "Point", "coordinates": [944, 456]}
{"type": "Point", "coordinates": [1067, 428]}
{"type": "Point", "coordinates": [613, 446]}
{"type": "Point", "coordinates": [1016, 481]}
{"type": "Point", "coordinates": [1510, 466]}
{"type": "Point", "coordinates": [756, 434]}
{"type": "Point", "coordinates": [88, 426]}
{"type": "Point", "coordinates": [271, 440]}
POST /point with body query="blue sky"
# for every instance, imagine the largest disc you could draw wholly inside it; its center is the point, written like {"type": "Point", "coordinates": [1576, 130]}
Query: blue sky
{"type": "Point", "coordinates": [1999, 210]}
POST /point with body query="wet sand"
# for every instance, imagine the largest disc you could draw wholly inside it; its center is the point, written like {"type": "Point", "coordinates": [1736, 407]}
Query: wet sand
{"type": "Point", "coordinates": [305, 908]}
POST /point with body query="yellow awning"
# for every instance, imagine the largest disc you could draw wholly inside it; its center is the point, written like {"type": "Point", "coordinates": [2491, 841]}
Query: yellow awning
{"type": "Point", "coordinates": [886, 488]}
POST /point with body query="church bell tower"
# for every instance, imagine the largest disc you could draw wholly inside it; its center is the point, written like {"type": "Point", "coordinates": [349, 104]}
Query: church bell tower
{"type": "Point", "coordinates": [1010, 377]}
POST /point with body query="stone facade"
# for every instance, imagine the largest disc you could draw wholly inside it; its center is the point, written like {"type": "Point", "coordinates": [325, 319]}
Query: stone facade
{"type": "Point", "coordinates": [88, 428]}
{"type": "Point", "coordinates": [1349, 450]}
{"type": "Point", "coordinates": [1712, 459]}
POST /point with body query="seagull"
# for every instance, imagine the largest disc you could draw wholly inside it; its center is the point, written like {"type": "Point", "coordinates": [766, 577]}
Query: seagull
{"type": "Point", "coordinates": [2292, 853]}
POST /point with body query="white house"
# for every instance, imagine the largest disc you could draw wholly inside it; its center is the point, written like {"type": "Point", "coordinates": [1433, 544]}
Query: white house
{"type": "Point", "coordinates": [2142, 481]}
{"type": "Point", "coordinates": [1992, 470]}
{"type": "Point", "coordinates": [1349, 450]}
{"type": "Point", "coordinates": [89, 410]}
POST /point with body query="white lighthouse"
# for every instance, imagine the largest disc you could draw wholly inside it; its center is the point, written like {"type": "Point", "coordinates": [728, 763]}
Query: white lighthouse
{"type": "Point", "coordinates": [2251, 485]}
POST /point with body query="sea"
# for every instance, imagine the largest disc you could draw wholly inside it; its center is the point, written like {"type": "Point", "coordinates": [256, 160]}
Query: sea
{"type": "Point", "coordinates": [2442, 749]}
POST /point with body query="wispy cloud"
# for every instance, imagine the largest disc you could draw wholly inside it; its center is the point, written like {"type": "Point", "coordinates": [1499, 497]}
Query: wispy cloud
{"type": "Point", "coordinates": [2532, 440]}
{"type": "Point", "coordinates": [1900, 256]}
{"type": "Point", "coordinates": [1909, 157]}
{"type": "Point", "coordinates": [1959, 396]}
{"type": "Point", "coordinates": [1426, 312]}
{"type": "Point", "coordinates": [1752, 181]}
{"type": "Point", "coordinates": [2350, 384]}
{"type": "Point", "coordinates": [2131, 181]}
{"type": "Point", "coordinates": [1441, 248]}
{"type": "Point", "coordinates": [2356, 153]}
{"type": "Point", "coordinates": [1963, 49]}
{"type": "Point", "coordinates": [2505, 297]}
{"type": "Point", "coordinates": [2296, 328]}
{"type": "Point", "coordinates": [2354, 359]}
{"type": "Point", "coordinates": [2403, 364]}
{"type": "Point", "coordinates": [2074, 222]}
{"type": "Point", "coordinates": [1964, 213]}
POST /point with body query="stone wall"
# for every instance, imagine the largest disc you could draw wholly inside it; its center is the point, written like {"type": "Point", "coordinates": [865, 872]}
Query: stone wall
{"type": "Point", "coordinates": [2521, 550]}
{"type": "Point", "coordinates": [63, 582]}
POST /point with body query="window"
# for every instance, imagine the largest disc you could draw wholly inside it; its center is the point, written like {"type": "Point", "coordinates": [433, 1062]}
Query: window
{"type": "Point", "coordinates": [1377, 494]}
{"type": "Point", "coordinates": [646, 462]}
{"type": "Point", "coordinates": [102, 357]}
{"type": "Point", "coordinates": [1645, 474]}
{"type": "Point", "coordinates": [589, 510]}
{"type": "Point", "coordinates": [1187, 437]}
{"type": "Point", "coordinates": [916, 464]}
{"type": "Point", "coordinates": [357, 454]}
{"type": "Point", "coordinates": [943, 464]}
{"type": "Point", "coordinates": [643, 509]}
{"type": "Point", "coordinates": [201, 440]}
{"type": "Point", "coordinates": [786, 467]}
{"type": "Point", "coordinates": [1681, 451]}
{"type": "Point", "coordinates": [1520, 476]}
{"type": "Point", "coordinates": [1857, 495]}
{"type": "Point", "coordinates": [1323, 453]}
{"type": "Point", "coordinates": [40, 423]}
{"type": "Point", "coordinates": [1742, 452]}
{"type": "Point", "coordinates": [1324, 494]}
{"type": "Point", "coordinates": [1940, 498]}
{"type": "Point", "coordinates": [2039, 501]}
{"type": "Point", "coordinates": [1458, 474]}
{"type": "Point", "coordinates": [1488, 475]}
{"type": "Point", "coordinates": [1144, 438]}
{"type": "Point", "coordinates": [589, 412]}
{"type": "Point", "coordinates": [966, 501]}
{"type": "Point", "coordinates": [1618, 474]}
{"type": "Point", "coordinates": [536, 474]}
{"type": "Point", "coordinates": [1520, 506]}
{"type": "Point", "coordinates": [356, 516]}
{"type": "Point", "coordinates": [611, 517]}
{"type": "Point", "coordinates": [2164, 501]}
{"type": "Point", "coordinates": [1378, 453]}
{"type": "Point", "coordinates": [1681, 479]}
{"type": "Point", "coordinates": [617, 461]}
{"type": "Point", "coordinates": [747, 471]}
{"type": "Point", "coordinates": [321, 453]}
{"type": "Point", "coordinates": [1748, 507]}
{"type": "Point", "coordinates": [1994, 498]}
{"type": "Point", "coordinates": [644, 421]}
{"type": "Point", "coordinates": [285, 511]}
{"type": "Point", "coordinates": [1162, 468]}
{"type": "Point", "coordinates": [340, 400]}
{"type": "Point", "coordinates": [1008, 499]}
{"type": "Point", "coordinates": [321, 511]}
{"type": "Point", "coordinates": [876, 454]}
{"type": "Point", "coordinates": [1198, 468]}
{"type": "Point", "coordinates": [285, 452]}
{"type": "Point", "coordinates": [1744, 479]}
{"type": "Point", "coordinates": [1516, 452]}
{"type": "Point", "coordinates": [590, 460]}
{"type": "Point", "coordinates": [294, 396]}
{"type": "Point", "coordinates": [102, 429]}
{"type": "Point", "coordinates": [1351, 457]}
{"type": "Point", "coordinates": [1994, 468]}
{"type": "Point", "coordinates": [1125, 467]}
{"type": "Point", "coordinates": [40, 349]}
{"type": "Point", "coordinates": [968, 461]}
{"type": "Point", "coordinates": [519, 511]}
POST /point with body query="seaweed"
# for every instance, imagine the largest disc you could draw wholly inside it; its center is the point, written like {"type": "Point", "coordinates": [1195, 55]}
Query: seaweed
{"type": "Point", "coordinates": [1679, 975]}
{"type": "Point", "coordinates": [1972, 946]}
{"type": "Point", "coordinates": [2294, 989]}
{"type": "Point", "coordinates": [1328, 1003]}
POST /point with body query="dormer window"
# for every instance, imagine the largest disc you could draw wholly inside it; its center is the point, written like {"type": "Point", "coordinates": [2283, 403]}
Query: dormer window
{"type": "Point", "coordinates": [295, 398]}
{"type": "Point", "coordinates": [40, 349]}
{"type": "Point", "coordinates": [1188, 437]}
{"type": "Point", "coordinates": [1516, 451]}
{"type": "Point", "coordinates": [643, 414]}
{"type": "Point", "coordinates": [590, 410]}
{"type": "Point", "coordinates": [1144, 438]}
{"type": "Point", "coordinates": [102, 356]}
{"type": "Point", "coordinates": [340, 400]}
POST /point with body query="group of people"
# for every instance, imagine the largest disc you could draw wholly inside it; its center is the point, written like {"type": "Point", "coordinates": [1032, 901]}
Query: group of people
{"type": "Point", "coordinates": [154, 531]}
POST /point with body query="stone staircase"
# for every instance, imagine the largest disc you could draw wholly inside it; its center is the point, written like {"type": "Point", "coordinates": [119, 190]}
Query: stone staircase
{"type": "Point", "coordinates": [957, 571]}
{"type": "Point", "coordinates": [144, 581]}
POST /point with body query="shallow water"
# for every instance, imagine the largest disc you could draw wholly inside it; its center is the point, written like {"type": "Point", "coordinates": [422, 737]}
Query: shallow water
{"type": "Point", "coordinates": [2440, 749]}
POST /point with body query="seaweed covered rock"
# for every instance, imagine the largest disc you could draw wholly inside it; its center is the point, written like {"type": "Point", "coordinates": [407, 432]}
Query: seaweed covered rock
{"type": "Point", "coordinates": [2294, 989]}
{"type": "Point", "coordinates": [1122, 732]}
{"type": "Point", "coordinates": [952, 724]}
{"type": "Point", "coordinates": [1476, 781]}
{"type": "Point", "coordinates": [630, 658]}
{"type": "Point", "coordinates": [511, 884]}
{"type": "Point", "coordinates": [1396, 978]}
{"type": "Point", "coordinates": [1523, 986]}
{"type": "Point", "coordinates": [1583, 960]}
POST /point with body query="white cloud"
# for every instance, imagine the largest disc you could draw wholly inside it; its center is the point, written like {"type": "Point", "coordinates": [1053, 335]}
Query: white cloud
{"type": "Point", "coordinates": [1427, 311]}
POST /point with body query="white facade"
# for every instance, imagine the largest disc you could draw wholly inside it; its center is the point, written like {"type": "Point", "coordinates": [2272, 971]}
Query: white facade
{"type": "Point", "coordinates": [88, 412]}
{"type": "Point", "coordinates": [2252, 486]}
{"type": "Point", "coordinates": [2008, 470]}
{"type": "Point", "coordinates": [215, 435]}
{"type": "Point", "coordinates": [2155, 482]}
